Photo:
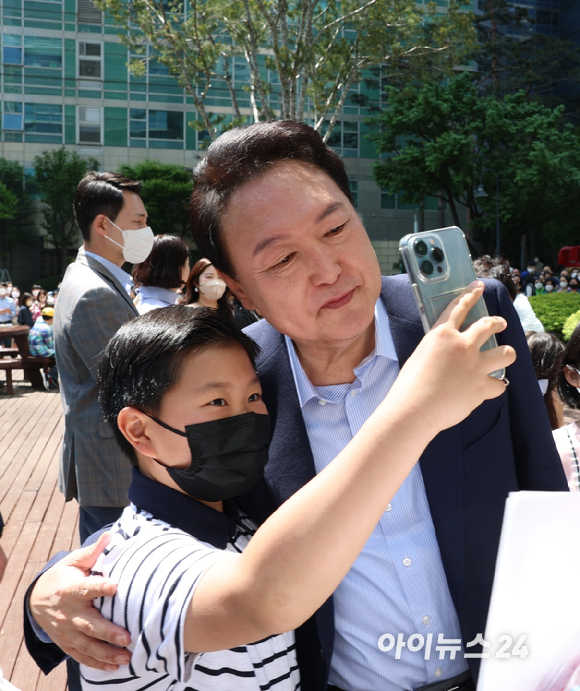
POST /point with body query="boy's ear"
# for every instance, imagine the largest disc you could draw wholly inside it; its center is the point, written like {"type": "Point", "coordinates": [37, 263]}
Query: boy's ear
{"type": "Point", "coordinates": [134, 426]}
{"type": "Point", "coordinates": [238, 291]}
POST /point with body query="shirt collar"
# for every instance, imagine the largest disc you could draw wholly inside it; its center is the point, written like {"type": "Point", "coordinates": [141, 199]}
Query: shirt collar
{"type": "Point", "coordinates": [163, 294]}
{"type": "Point", "coordinates": [122, 276]}
{"type": "Point", "coordinates": [384, 347]}
{"type": "Point", "coordinates": [182, 511]}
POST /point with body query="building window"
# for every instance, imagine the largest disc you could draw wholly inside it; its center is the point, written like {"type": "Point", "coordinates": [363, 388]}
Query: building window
{"type": "Point", "coordinates": [13, 117]}
{"type": "Point", "coordinates": [388, 200]}
{"type": "Point", "coordinates": [344, 138]}
{"type": "Point", "coordinates": [165, 124]}
{"type": "Point", "coordinates": [155, 124]}
{"type": "Point", "coordinates": [90, 60]}
{"type": "Point", "coordinates": [89, 125]}
{"type": "Point", "coordinates": [41, 118]}
{"type": "Point", "coordinates": [42, 52]}
{"type": "Point", "coordinates": [12, 50]}
{"type": "Point", "coordinates": [88, 13]}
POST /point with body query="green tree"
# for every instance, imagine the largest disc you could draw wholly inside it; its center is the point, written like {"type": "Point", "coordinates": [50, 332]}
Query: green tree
{"type": "Point", "coordinates": [16, 208]}
{"type": "Point", "coordinates": [165, 193]}
{"type": "Point", "coordinates": [446, 141]}
{"type": "Point", "coordinates": [317, 50]}
{"type": "Point", "coordinates": [58, 173]}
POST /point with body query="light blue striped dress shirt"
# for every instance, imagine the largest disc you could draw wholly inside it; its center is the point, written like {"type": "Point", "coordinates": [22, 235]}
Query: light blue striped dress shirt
{"type": "Point", "coordinates": [397, 585]}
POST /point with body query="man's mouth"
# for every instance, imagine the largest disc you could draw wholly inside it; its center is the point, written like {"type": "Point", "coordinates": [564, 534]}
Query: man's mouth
{"type": "Point", "coordinates": [340, 301]}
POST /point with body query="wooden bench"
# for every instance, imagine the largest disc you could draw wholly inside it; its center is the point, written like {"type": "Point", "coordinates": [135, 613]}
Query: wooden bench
{"type": "Point", "coordinates": [31, 365]}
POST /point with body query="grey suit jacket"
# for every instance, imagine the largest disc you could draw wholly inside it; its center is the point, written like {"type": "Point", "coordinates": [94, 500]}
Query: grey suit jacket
{"type": "Point", "coordinates": [91, 307]}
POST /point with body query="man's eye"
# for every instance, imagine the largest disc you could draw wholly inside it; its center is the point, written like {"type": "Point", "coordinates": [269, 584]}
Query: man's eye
{"type": "Point", "coordinates": [218, 401]}
{"type": "Point", "coordinates": [254, 398]}
{"type": "Point", "coordinates": [285, 260]}
{"type": "Point", "coordinates": [334, 231]}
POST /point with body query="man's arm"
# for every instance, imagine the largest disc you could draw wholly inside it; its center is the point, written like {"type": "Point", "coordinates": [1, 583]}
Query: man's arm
{"type": "Point", "coordinates": [60, 600]}
{"type": "Point", "coordinates": [96, 318]}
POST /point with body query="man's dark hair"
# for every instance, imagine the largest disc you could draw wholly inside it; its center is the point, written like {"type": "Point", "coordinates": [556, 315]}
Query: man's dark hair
{"type": "Point", "coordinates": [143, 360]}
{"type": "Point", "coordinates": [162, 268]}
{"type": "Point", "coordinates": [101, 193]}
{"type": "Point", "coordinates": [240, 155]}
{"type": "Point", "coordinates": [498, 268]}
{"type": "Point", "coordinates": [571, 357]}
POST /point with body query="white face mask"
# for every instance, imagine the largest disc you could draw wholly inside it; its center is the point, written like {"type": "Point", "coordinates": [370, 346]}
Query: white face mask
{"type": "Point", "coordinates": [574, 274]}
{"type": "Point", "coordinates": [15, 294]}
{"type": "Point", "coordinates": [213, 290]}
{"type": "Point", "coordinates": [549, 288]}
{"type": "Point", "coordinates": [137, 244]}
{"type": "Point", "coordinates": [35, 293]}
{"type": "Point", "coordinates": [3, 292]}
{"type": "Point", "coordinates": [563, 284]}
{"type": "Point", "coordinates": [539, 285]}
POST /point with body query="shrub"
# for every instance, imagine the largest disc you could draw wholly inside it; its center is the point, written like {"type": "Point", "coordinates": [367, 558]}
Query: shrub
{"type": "Point", "coordinates": [570, 324]}
{"type": "Point", "coordinates": [553, 310]}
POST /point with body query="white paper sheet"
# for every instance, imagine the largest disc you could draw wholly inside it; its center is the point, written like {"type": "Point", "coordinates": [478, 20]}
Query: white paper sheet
{"type": "Point", "coordinates": [536, 594]}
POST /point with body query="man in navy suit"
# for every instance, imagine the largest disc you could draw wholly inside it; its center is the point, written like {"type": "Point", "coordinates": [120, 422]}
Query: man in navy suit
{"type": "Point", "coordinates": [271, 208]}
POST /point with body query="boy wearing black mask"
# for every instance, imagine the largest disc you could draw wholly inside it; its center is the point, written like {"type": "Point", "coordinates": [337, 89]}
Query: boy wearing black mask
{"type": "Point", "coordinates": [185, 403]}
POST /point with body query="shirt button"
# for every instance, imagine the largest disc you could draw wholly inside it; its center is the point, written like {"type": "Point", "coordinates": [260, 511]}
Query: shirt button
{"type": "Point", "coordinates": [389, 507]}
{"type": "Point", "coordinates": [438, 672]}
{"type": "Point", "coordinates": [426, 620]}
{"type": "Point", "coordinates": [321, 402]}
{"type": "Point", "coordinates": [407, 561]}
{"type": "Point", "coordinates": [353, 392]}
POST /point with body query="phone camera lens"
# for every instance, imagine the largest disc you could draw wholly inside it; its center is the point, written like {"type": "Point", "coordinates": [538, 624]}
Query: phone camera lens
{"type": "Point", "coordinates": [437, 254]}
{"type": "Point", "coordinates": [421, 248]}
{"type": "Point", "coordinates": [427, 267]}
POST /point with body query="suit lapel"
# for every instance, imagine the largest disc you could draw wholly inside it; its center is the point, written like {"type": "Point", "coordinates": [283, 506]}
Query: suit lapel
{"type": "Point", "coordinates": [99, 268]}
{"type": "Point", "coordinates": [291, 464]}
{"type": "Point", "coordinates": [442, 461]}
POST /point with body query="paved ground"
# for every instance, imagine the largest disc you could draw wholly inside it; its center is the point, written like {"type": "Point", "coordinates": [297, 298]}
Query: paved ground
{"type": "Point", "coordinates": [38, 523]}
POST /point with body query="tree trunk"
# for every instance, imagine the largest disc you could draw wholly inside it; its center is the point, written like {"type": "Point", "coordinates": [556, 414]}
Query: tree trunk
{"type": "Point", "coordinates": [441, 209]}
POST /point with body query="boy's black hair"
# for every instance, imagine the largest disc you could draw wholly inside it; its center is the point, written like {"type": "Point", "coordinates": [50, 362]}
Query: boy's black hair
{"type": "Point", "coordinates": [143, 360]}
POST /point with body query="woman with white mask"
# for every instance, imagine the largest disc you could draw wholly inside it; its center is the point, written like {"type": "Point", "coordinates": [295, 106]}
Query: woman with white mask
{"type": "Point", "coordinates": [206, 288]}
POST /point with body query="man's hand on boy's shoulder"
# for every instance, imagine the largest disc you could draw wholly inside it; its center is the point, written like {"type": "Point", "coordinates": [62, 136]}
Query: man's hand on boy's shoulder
{"type": "Point", "coordinates": [61, 604]}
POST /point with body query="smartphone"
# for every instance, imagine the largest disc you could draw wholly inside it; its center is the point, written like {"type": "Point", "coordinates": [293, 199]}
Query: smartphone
{"type": "Point", "coordinates": [440, 268]}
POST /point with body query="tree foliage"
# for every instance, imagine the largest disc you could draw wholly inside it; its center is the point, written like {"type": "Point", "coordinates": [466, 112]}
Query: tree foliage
{"type": "Point", "coordinates": [165, 193]}
{"type": "Point", "coordinates": [58, 173]}
{"type": "Point", "coordinates": [16, 207]}
{"type": "Point", "coordinates": [315, 50]}
{"type": "Point", "coordinates": [446, 141]}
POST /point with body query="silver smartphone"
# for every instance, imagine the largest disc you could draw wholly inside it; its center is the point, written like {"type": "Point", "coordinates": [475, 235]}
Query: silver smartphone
{"type": "Point", "coordinates": [439, 266]}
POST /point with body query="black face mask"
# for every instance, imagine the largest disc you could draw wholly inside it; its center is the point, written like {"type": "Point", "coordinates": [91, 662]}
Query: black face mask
{"type": "Point", "coordinates": [227, 456]}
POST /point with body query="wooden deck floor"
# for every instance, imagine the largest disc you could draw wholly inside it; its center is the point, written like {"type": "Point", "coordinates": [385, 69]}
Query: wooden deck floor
{"type": "Point", "coordinates": [38, 522]}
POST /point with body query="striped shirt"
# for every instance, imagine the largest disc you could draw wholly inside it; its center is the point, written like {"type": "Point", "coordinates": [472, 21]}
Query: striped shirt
{"type": "Point", "coordinates": [157, 556]}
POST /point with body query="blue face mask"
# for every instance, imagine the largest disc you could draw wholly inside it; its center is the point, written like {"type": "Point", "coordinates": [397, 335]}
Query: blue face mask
{"type": "Point", "coordinates": [227, 456]}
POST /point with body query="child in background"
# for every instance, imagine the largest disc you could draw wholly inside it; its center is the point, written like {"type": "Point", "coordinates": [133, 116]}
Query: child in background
{"type": "Point", "coordinates": [41, 344]}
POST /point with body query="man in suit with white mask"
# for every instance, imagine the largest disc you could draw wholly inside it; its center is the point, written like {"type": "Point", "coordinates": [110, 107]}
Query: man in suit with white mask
{"type": "Point", "coordinates": [93, 303]}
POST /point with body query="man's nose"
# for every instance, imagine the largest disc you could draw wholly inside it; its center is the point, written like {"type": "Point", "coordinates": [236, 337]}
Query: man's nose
{"type": "Point", "coordinates": [324, 265]}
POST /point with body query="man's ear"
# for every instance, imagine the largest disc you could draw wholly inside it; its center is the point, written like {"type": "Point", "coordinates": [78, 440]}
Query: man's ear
{"type": "Point", "coordinates": [238, 291]}
{"type": "Point", "coordinates": [134, 426]}
{"type": "Point", "coordinates": [99, 225]}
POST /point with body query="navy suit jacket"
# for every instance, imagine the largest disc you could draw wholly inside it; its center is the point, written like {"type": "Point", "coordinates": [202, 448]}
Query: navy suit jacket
{"type": "Point", "coordinates": [505, 445]}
